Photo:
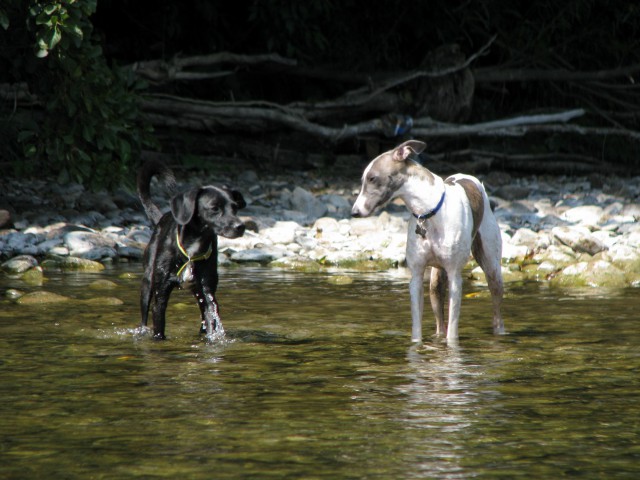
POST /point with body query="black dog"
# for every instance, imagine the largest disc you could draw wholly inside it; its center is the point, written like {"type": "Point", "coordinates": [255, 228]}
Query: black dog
{"type": "Point", "coordinates": [183, 250]}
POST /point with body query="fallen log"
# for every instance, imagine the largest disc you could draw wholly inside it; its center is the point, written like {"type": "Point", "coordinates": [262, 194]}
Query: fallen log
{"type": "Point", "coordinates": [257, 116]}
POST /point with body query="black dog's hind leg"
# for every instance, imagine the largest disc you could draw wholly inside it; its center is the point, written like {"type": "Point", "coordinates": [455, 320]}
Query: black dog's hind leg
{"type": "Point", "coordinates": [145, 301]}
{"type": "Point", "coordinates": [161, 293]}
{"type": "Point", "coordinates": [148, 280]}
{"type": "Point", "coordinates": [146, 293]}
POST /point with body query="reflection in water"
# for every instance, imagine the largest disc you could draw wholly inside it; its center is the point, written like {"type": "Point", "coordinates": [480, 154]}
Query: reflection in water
{"type": "Point", "coordinates": [440, 398]}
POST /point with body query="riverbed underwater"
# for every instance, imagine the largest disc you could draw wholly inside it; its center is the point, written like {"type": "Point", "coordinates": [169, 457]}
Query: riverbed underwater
{"type": "Point", "coordinates": [316, 378]}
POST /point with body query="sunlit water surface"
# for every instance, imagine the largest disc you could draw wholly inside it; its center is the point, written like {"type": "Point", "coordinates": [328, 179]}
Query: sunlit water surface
{"type": "Point", "coordinates": [318, 380]}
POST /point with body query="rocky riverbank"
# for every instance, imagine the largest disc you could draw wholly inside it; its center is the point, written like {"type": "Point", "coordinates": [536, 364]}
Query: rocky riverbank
{"type": "Point", "coordinates": [566, 231]}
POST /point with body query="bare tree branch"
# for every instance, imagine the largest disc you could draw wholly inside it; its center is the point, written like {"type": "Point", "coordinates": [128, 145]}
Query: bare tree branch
{"type": "Point", "coordinates": [161, 71]}
{"type": "Point", "coordinates": [364, 95]}
{"type": "Point", "coordinates": [429, 128]}
{"type": "Point", "coordinates": [430, 74]}
{"type": "Point", "coordinates": [492, 74]}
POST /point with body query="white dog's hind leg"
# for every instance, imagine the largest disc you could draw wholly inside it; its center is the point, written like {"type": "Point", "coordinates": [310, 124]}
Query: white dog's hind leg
{"type": "Point", "coordinates": [489, 261]}
{"type": "Point", "coordinates": [455, 298]}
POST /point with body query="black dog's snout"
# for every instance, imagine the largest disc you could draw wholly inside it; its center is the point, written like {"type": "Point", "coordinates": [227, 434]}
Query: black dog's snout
{"type": "Point", "coordinates": [233, 230]}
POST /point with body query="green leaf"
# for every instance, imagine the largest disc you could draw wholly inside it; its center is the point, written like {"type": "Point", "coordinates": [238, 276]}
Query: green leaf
{"type": "Point", "coordinates": [88, 132]}
{"type": "Point", "coordinates": [76, 31]}
{"type": "Point", "coordinates": [4, 20]}
{"type": "Point", "coordinates": [42, 51]}
{"type": "Point", "coordinates": [53, 38]}
{"type": "Point", "coordinates": [125, 150]}
{"type": "Point", "coordinates": [30, 150]}
{"type": "Point", "coordinates": [107, 141]}
{"type": "Point", "coordinates": [43, 19]}
{"type": "Point", "coordinates": [49, 9]}
{"type": "Point", "coordinates": [88, 105]}
{"type": "Point", "coordinates": [84, 157]}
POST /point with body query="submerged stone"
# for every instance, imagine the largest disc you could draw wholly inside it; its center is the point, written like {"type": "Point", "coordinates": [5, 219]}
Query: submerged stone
{"type": "Point", "coordinates": [106, 301]}
{"type": "Point", "coordinates": [13, 294]}
{"type": "Point", "coordinates": [33, 276]}
{"type": "Point", "coordinates": [41, 298]}
{"type": "Point", "coordinates": [103, 284]}
{"type": "Point", "coordinates": [128, 275]}
{"type": "Point", "coordinates": [340, 280]}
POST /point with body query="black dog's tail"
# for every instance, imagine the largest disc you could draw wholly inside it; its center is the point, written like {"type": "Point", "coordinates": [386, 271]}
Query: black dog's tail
{"type": "Point", "coordinates": [145, 174]}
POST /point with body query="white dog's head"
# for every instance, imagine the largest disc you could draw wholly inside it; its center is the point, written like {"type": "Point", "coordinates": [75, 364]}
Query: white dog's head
{"type": "Point", "coordinates": [383, 177]}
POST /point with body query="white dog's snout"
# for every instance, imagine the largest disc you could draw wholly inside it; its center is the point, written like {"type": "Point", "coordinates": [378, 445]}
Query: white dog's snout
{"type": "Point", "coordinates": [357, 210]}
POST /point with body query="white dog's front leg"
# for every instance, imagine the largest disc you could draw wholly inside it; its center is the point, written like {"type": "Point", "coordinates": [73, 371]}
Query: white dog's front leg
{"type": "Point", "coordinates": [416, 290]}
{"type": "Point", "coordinates": [455, 298]}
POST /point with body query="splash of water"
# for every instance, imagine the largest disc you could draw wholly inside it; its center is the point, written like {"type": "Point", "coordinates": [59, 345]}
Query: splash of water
{"type": "Point", "coordinates": [216, 334]}
{"type": "Point", "coordinates": [138, 332]}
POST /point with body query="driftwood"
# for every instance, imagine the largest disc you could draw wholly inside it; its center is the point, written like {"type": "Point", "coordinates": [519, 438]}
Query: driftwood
{"type": "Point", "coordinates": [498, 75]}
{"type": "Point", "coordinates": [475, 160]}
{"type": "Point", "coordinates": [379, 105]}
{"type": "Point", "coordinates": [388, 105]}
{"type": "Point", "coordinates": [161, 71]}
{"type": "Point", "coordinates": [261, 116]}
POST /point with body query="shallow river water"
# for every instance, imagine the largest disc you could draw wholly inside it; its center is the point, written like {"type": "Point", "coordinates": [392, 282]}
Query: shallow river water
{"type": "Point", "coordinates": [319, 380]}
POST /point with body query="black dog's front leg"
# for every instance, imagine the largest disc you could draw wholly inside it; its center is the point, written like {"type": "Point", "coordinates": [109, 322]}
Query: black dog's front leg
{"type": "Point", "coordinates": [204, 289]}
{"type": "Point", "coordinates": [209, 312]}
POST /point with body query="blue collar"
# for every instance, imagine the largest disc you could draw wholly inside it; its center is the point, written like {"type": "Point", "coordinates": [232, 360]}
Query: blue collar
{"type": "Point", "coordinates": [430, 214]}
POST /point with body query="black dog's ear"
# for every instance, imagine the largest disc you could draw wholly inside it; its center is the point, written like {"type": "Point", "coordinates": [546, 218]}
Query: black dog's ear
{"type": "Point", "coordinates": [183, 206]}
{"type": "Point", "coordinates": [238, 198]}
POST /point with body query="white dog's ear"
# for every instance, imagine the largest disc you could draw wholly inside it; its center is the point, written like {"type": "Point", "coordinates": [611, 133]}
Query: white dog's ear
{"type": "Point", "coordinates": [408, 148]}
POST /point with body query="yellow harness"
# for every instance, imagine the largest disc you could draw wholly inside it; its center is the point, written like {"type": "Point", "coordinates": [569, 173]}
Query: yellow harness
{"type": "Point", "coordinates": [195, 258]}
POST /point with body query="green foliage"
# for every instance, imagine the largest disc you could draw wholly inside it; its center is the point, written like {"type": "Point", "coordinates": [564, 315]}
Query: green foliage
{"type": "Point", "coordinates": [4, 20]}
{"type": "Point", "coordinates": [89, 130]}
{"type": "Point", "coordinates": [61, 21]}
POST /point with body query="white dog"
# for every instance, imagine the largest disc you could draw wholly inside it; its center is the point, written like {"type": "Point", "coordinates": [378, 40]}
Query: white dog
{"type": "Point", "coordinates": [451, 218]}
